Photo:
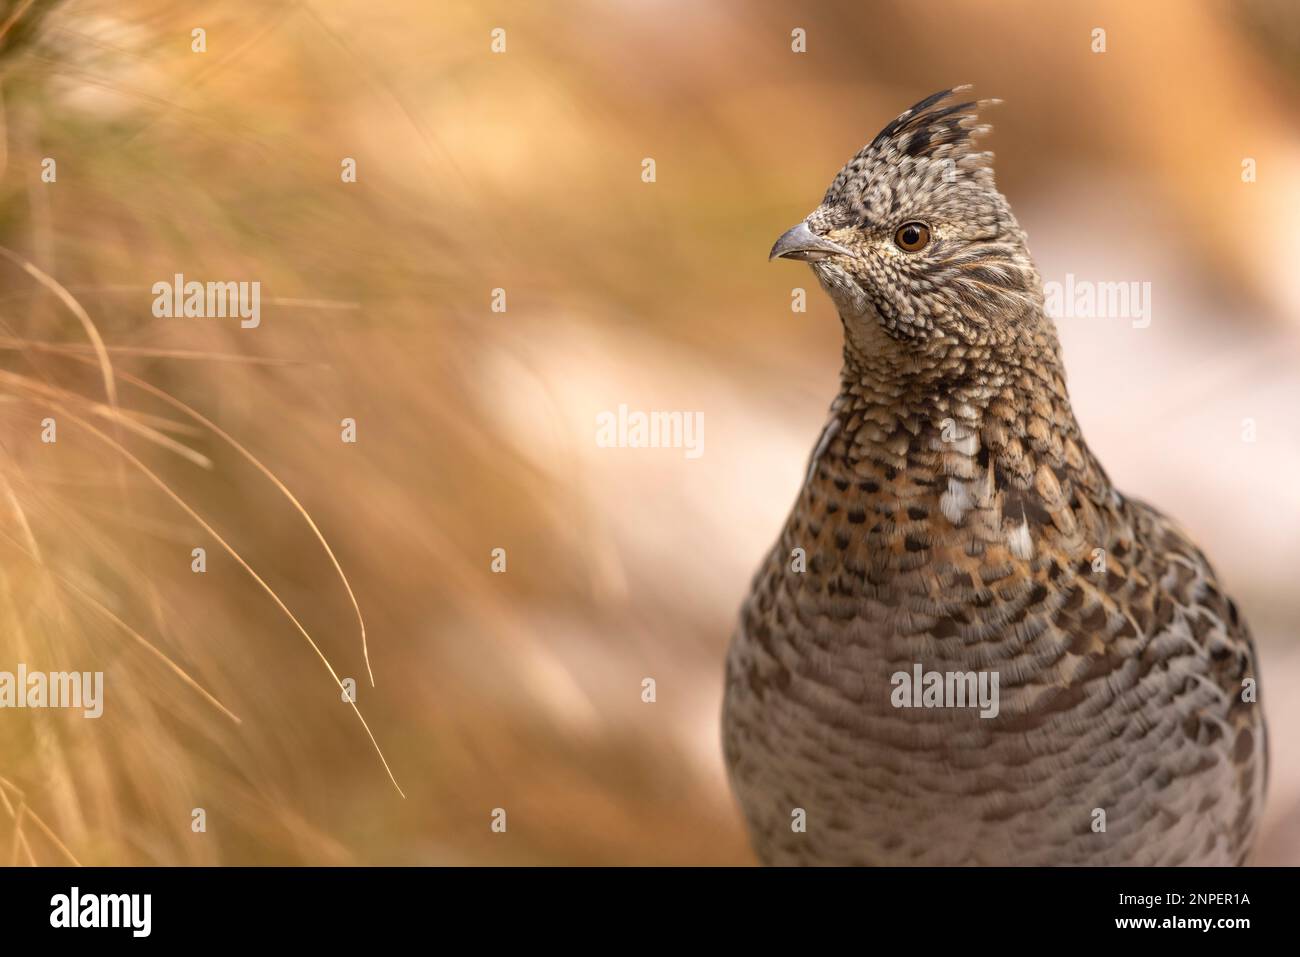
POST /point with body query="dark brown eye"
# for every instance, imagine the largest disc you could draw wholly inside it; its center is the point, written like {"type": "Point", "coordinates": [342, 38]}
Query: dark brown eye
{"type": "Point", "coordinates": [912, 237]}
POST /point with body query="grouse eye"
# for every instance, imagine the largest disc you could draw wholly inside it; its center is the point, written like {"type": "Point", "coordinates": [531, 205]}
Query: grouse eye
{"type": "Point", "coordinates": [912, 237]}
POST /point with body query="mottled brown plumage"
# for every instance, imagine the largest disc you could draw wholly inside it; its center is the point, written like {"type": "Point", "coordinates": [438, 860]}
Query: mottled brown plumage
{"type": "Point", "coordinates": [953, 516]}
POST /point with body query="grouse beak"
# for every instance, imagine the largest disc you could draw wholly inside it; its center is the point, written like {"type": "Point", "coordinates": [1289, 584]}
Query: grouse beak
{"type": "Point", "coordinates": [803, 244]}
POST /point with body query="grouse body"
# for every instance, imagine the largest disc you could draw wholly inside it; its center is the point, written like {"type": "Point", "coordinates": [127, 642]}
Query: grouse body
{"type": "Point", "coordinates": [953, 520]}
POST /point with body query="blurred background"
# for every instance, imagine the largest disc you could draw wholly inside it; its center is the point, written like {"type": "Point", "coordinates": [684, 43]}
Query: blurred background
{"type": "Point", "coordinates": [522, 171]}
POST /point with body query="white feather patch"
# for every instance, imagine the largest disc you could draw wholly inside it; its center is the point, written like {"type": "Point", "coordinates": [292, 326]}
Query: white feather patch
{"type": "Point", "coordinates": [1020, 542]}
{"type": "Point", "coordinates": [968, 444]}
{"type": "Point", "coordinates": [955, 502]}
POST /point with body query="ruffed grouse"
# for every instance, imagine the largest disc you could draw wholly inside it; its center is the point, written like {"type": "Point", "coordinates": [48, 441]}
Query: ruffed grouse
{"type": "Point", "coordinates": [954, 521]}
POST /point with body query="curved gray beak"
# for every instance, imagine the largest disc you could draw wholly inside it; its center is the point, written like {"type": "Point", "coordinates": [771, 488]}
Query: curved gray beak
{"type": "Point", "coordinates": [803, 244]}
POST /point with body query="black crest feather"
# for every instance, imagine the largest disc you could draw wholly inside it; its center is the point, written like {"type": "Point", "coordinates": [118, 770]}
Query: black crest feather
{"type": "Point", "coordinates": [931, 123]}
{"type": "Point", "coordinates": [934, 128]}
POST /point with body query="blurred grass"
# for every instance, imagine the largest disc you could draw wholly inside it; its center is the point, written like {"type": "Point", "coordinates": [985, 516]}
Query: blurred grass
{"type": "Point", "coordinates": [477, 171]}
